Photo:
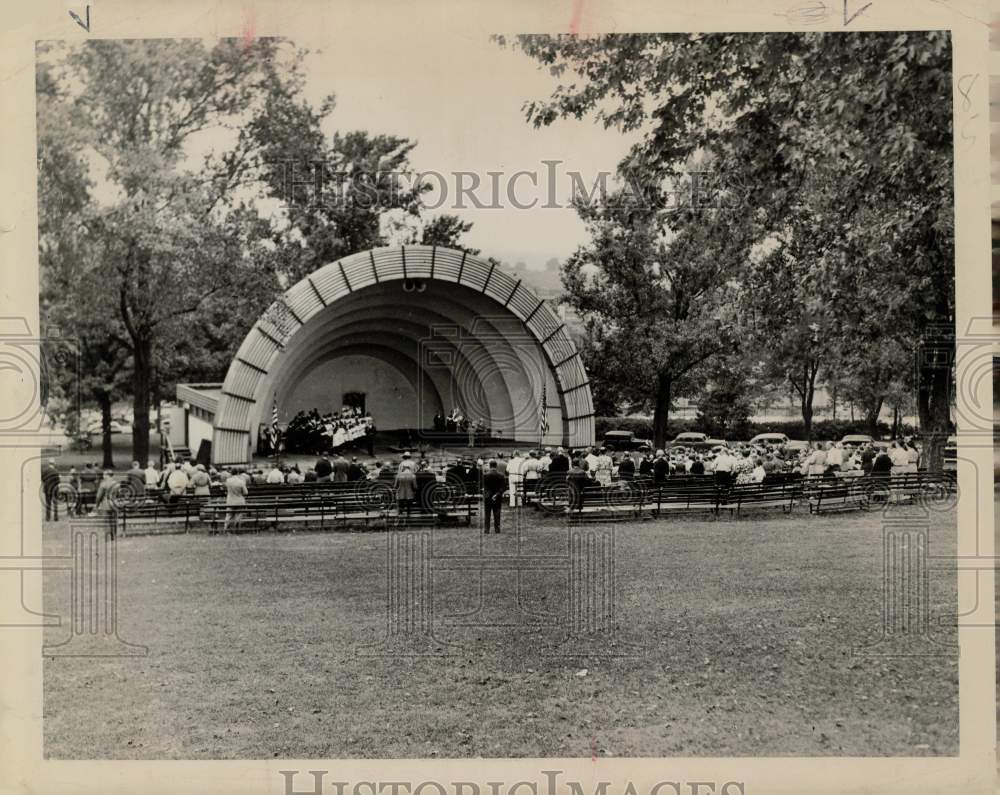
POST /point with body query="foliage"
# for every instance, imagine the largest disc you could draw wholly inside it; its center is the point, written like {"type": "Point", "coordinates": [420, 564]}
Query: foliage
{"type": "Point", "coordinates": [840, 150]}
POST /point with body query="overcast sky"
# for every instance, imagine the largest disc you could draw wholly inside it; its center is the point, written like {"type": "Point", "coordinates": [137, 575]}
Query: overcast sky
{"type": "Point", "coordinates": [460, 97]}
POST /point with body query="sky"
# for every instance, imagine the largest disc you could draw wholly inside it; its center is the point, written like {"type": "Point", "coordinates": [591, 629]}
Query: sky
{"type": "Point", "coordinates": [460, 96]}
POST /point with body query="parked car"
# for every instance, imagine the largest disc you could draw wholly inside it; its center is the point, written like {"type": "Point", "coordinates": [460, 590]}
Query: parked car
{"type": "Point", "coordinates": [716, 444]}
{"type": "Point", "coordinates": [690, 439]}
{"type": "Point", "coordinates": [856, 440]}
{"type": "Point", "coordinates": [98, 428]}
{"type": "Point", "coordinates": [773, 439]}
{"type": "Point", "coordinates": [625, 440]}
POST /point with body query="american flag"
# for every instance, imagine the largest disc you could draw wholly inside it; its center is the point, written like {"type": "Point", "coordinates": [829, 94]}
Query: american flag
{"type": "Point", "coordinates": [274, 420]}
{"type": "Point", "coordinates": [543, 419]}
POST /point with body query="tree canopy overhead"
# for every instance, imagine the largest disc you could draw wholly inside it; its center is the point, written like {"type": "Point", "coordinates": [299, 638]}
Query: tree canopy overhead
{"type": "Point", "coordinates": [840, 145]}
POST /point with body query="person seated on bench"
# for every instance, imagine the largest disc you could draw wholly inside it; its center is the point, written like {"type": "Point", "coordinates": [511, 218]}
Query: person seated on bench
{"type": "Point", "coordinates": [912, 457]}
{"type": "Point", "coordinates": [275, 476]}
{"type": "Point", "coordinates": [294, 476]}
{"type": "Point", "coordinates": [743, 468]}
{"type": "Point", "coordinates": [759, 472]}
{"type": "Point", "coordinates": [177, 482]}
{"type": "Point", "coordinates": [626, 469]}
{"type": "Point", "coordinates": [882, 465]}
{"type": "Point", "coordinates": [661, 468]}
{"type": "Point", "coordinates": [898, 456]}
{"type": "Point", "coordinates": [697, 466]}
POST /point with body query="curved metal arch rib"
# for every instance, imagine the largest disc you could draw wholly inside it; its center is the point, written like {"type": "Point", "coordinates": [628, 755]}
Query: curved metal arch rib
{"type": "Point", "coordinates": [244, 389]}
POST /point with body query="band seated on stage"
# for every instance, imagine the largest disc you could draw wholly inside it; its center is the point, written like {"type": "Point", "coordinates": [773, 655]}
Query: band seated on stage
{"type": "Point", "coordinates": [312, 432]}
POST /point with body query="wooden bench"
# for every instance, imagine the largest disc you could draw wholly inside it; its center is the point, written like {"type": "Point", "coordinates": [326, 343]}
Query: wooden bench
{"type": "Point", "coordinates": [621, 500]}
{"type": "Point", "coordinates": [153, 516]}
{"type": "Point", "coordinates": [750, 496]}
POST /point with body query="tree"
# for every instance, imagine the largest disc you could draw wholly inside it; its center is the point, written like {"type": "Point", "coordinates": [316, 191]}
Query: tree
{"type": "Point", "coordinates": [864, 119]}
{"type": "Point", "coordinates": [166, 238]}
{"type": "Point", "coordinates": [446, 230]}
{"type": "Point", "coordinates": [657, 296]}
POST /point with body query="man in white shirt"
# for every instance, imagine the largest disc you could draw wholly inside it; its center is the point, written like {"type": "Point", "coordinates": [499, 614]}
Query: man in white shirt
{"type": "Point", "coordinates": [275, 476]}
{"type": "Point", "coordinates": [835, 458]}
{"type": "Point", "coordinates": [177, 482]}
{"type": "Point", "coordinates": [592, 461]}
{"type": "Point", "coordinates": [152, 476]}
{"type": "Point", "coordinates": [514, 477]}
{"type": "Point", "coordinates": [724, 464]}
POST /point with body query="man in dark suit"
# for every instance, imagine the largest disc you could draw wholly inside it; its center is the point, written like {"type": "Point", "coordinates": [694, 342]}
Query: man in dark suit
{"type": "Point", "coordinates": [424, 480]}
{"type": "Point", "coordinates": [626, 469]}
{"type": "Point", "coordinates": [340, 469]}
{"type": "Point", "coordinates": [323, 469]}
{"type": "Point", "coordinates": [867, 459]}
{"type": "Point", "coordinates": [578, 481]}
{"type": "Point", "coordinates": [355, 471]}
{"type": "Point", "coordinates": [882, 465]}
{"type": "Point", "coordinates": [646, 466]}
{"type": "Point", "coordinates": [560, 462]}
{"type": "Point", "coordinates": [50, 485]}
{"type": "Point", "coordinates": [661, 468]}
{"type": "Point", "coordinates": [494, 485]}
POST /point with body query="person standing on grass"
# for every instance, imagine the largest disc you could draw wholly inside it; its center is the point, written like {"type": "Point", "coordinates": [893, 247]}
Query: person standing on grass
{"type": "Point", "coordinates": [102, 502]}
{"type": "Point", "coordinates": [236, 498]}
{"type": "Point", "coordinates": [514, 478]}
{"type": "Point", "coordinates": [578, 481]}
{"type": "Point", "coordinates": [201, 481]}
{"type": "Point", "coordinates": [406, 489]}
{"type": "Point", "coordinates": [50, 488]}
{"type": "Point", "coordinates": [724, 466]}
{"type": "Point", "coordinates": [340, 469]}
{"type": "Point", "coordinates": [323, 469]}
{"type": "Point", "coordinates": [494, 485]}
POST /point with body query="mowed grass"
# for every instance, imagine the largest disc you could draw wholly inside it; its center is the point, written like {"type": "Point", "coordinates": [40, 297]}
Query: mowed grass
{"type": "Point", "coordinates": [739, 634]}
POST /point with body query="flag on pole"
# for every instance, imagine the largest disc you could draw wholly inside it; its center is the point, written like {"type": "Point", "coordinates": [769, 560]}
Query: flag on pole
{"type": "Point", "coordinates": [274, 423]}
{"type": "Point", "coordinates": [543, 418]}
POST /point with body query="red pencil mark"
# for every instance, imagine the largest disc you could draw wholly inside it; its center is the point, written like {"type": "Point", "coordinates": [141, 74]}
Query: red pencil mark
{"type": "Point", "coordinates": [593, 749]}
{"type": "Point", "coordinates": [577, 19]}
{"type": "Point", "coordinates": [249, 29]}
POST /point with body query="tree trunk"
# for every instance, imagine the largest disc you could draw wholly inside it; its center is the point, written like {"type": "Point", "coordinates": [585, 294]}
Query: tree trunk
{"type": "Point", "coordinates": [661, 413]}
{"type": "Point", "coordinates": [141, 388]}
{"type": "Point", "coordinates": [871, 418]}
{"type": "Point", "coordinates": [104, 400]}
{"type": "Point", "coordinates": [806, 402]}
{"type": "Point", "coordinates": [934, 406]}
{"type": "Point", "coordinates": [895, 422]}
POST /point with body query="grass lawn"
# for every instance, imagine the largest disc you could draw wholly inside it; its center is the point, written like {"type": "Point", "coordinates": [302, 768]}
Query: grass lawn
{"type": "Point", "coordinates": [742, 631]}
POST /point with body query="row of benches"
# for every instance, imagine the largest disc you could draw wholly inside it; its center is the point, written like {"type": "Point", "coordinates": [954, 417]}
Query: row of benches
{"type": "Point", "coordinates": [346, 505]}
{"type": "Point", "coordinates": [822, 494]}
